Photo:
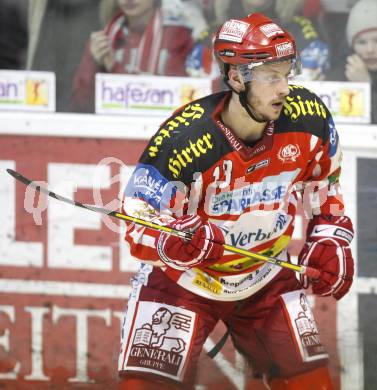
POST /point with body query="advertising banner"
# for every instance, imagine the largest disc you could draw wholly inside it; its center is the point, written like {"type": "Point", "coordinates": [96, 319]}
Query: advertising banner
{"type": "Point", "coordinates": [348, 102]}
{"type": "Point", "coordinates": [27, 91]}
{"type": "Point", "coordinates": [146, 95]}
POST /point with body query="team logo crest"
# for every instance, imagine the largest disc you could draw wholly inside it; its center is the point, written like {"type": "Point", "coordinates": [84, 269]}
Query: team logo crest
{"type": "Point", "coordinates": [289, 153]}
{"type": "Point", "coordinates": [160, 344]}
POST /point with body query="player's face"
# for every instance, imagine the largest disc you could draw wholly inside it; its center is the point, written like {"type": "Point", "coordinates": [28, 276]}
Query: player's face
{"type": "Point", "coordinates": [269, 89]}
{"type": "Point", "coordinates": [135, 7]}
{"type": "Point", "coordinates": [365, 46]}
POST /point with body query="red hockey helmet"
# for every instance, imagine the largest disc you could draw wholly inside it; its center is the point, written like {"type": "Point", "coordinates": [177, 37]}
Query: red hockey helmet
{"type": "Point", "coordinates": [253, 41]}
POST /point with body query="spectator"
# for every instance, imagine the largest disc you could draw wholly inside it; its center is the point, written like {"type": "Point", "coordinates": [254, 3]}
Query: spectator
{"type": "Point", "coordinates": [334, 20]}
{"type": "Point", "coordinates": [58, 30]}
{"type": "Point", "coordinates": [360, 63]}
{"type": "Point", "coordinates": [13, 34]}
{"type": "Point", "coordinates": [143, 38]}
{"type": "Point", "coordinates": [313, 49]}
{"type": "Point", "coordinates": [362, 38]}
{"type": "Point", "coordinates": [194, 12]}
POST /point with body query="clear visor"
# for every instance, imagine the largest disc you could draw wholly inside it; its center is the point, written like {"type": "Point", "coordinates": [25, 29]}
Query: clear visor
{"type": "Point", "coordinates": [248, 73]}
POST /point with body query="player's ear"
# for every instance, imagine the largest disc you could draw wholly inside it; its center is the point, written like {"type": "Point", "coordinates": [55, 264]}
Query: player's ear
{"type": "Point", "coordinates": [235, 79]}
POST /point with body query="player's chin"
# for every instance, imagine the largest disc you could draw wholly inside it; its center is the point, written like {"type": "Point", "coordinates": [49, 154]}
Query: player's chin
{"type": "Point", "coordinates": [272, 115]}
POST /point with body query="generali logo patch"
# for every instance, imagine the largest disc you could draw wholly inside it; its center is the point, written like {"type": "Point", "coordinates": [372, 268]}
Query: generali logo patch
{"type": "Point", "coordinates": [284, 49]}
{"type": "Point", "coordinates": [304, 326]}
{"type": "Point", "coordinates": [233, 30]}
{"type": "Point", "coordinates": [160, 340]}
{"type": "Point", "coordinates": [289, 153]}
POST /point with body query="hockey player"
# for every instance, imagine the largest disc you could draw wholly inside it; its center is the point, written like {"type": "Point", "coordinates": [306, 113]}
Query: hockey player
{"type": "Point", "coordinates": [228, 168]}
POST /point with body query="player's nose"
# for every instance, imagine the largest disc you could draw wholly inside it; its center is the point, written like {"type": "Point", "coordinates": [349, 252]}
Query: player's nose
{"type": "Point", "coordinates": [283, 87]}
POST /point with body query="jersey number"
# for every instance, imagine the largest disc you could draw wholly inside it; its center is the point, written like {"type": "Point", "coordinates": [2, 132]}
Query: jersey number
{"type": "Point", "coordinates": [225, 171]}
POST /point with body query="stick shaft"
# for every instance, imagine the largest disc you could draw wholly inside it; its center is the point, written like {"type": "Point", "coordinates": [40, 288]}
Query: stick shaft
{"type": "Point", "coordinates": [142, 222]}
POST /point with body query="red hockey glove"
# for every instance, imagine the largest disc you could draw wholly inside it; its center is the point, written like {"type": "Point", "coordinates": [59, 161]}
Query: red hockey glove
{"type": "Point", "coordinates": [327, 249]}
{"type": "Point", "coordinates": [206, 243]}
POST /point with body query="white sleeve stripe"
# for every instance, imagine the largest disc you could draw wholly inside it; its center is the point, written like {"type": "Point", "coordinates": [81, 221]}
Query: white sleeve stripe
{"type": "Point", "coordinates": [208, 244]}
{"type": "Point", "coordinates": [341, 261]}
{"type": "Point", "coordinates": [337, 287]}
{"type": "Point", "coordinates": [191, 223]}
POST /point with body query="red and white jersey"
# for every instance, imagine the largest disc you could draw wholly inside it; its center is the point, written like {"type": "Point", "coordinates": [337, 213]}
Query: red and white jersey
{"type": "Point", "coordinates": [194, 164]}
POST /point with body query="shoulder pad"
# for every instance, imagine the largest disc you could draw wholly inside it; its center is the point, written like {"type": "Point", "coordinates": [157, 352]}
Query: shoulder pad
{"type": "Point", "coordinates": [191, 116]}
{"type": "Point", "coordinates": [304, 111]}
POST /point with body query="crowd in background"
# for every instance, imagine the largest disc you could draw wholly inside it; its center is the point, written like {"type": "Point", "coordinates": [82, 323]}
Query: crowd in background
{"type": "Point", "coordinates": [337, 39]}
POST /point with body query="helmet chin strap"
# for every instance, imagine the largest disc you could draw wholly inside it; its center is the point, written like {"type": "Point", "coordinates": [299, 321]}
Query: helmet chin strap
{"type": "Point", "coordinates": [243, 100]}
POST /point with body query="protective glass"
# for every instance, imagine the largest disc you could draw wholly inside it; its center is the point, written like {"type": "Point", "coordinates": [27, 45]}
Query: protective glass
{"type": "Point", "coordinates": [248, 74]}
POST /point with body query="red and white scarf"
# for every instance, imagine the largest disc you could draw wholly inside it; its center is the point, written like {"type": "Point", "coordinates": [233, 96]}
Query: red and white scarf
{"type": "Point", "coordinates": [138, 52]}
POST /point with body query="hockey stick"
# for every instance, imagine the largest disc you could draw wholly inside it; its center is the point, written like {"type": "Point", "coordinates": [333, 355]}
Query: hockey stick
{"type": "Point", "coordinates": [309, 271]}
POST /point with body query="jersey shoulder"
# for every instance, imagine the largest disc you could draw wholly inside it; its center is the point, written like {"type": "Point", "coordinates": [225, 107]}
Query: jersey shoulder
{"type": "Point", "coordinates": [189, 141]}
{"type": "Point", "coordinates": [304, 111]}
{"type": "Point", "coordinates": [189, 121]}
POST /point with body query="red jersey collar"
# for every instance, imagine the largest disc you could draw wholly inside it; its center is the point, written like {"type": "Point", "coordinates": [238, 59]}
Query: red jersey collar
{"type": "Point", "coordinates": [246, 152]}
